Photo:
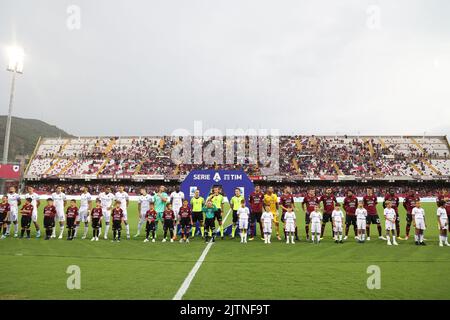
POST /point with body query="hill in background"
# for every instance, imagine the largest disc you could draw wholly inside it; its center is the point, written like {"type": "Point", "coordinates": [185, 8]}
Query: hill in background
{"type": "Point", "coordinates": [25, 134]}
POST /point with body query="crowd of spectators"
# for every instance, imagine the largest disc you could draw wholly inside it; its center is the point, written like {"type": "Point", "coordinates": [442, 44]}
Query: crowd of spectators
{"type": "Point", "coordinates": [305, 156]}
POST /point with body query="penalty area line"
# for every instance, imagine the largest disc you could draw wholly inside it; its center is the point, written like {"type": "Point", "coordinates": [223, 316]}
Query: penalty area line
{"type": "Point", "coordinates": [187, 282]}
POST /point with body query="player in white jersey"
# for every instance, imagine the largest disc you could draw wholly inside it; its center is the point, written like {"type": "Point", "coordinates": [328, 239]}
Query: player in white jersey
{"type": "Point", "coordinates": [266, 220]}
{"type": "Point", "coordinates": [361, 220]}
{"type": "Point", "coordinates": [443, 223]}
{"type": "Point", "coordinates": [35, 202]}
{"type": "Point", "coordinates": [14, 203]}
{"type": "Point", "coordinates": [243, 214]}
{"type": "Point", "coordinates": [390, 217]}
{"type": "Point", "coordinates": [418, 214]}
{"type": "Point", "coordinates": [144, 201]}
{"type": "Point", "coordinates": [338, 217]}
{"type": "Point", "coordinates": [176, 199]}
{"type": "Point", "coordinates": [84, 211]}
{"type": "Point", "coordinates": [290, 224]}
{"type": "Point", "coordinates": [59, 200]}
{"type": "Point", "coordinates": [106, 197]}
{"type": "Point", "coordinates": [316, 224]}
{"type": "Point", "coordinates": [122, 196]}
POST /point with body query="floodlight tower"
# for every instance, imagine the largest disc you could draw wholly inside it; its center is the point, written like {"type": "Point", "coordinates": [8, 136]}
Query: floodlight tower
{"type": "Point", "coordinates": [15, 65]}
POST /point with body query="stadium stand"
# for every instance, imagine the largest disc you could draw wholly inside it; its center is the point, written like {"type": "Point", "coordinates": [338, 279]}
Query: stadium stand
{"type": "Point", "coordinates": [301, 157]}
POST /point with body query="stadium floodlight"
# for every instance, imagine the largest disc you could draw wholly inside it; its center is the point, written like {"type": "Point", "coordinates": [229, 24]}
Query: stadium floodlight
{"type": "Point", "coordinates": [15, 59]}
{"type": "Point", "coordinates": [15, 65]}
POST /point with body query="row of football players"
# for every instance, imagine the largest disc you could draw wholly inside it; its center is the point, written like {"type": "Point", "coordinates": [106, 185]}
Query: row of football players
{"type": "Point", "coordinates": [9, 209]}
{"type": "Point", "coordinates": [256, 200]}
{"type": "Point", "coordinates": [350, 205]}
{"type": "Point", "coordinates": [243, 215]}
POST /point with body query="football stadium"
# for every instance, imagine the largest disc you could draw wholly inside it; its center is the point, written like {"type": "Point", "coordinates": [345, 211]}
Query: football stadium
{"type": "Point", "coordinates": [273, 155]}
{"type": "Point", "coordinates": [391, 168]}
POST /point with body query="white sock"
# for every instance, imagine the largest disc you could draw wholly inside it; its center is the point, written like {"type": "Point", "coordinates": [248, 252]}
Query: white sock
{"type": "Point", "coordinates": [139, 227]}
{"type": "Point", "coordinates": [61, 230]}
{"type": "Point", "coordinates": [388, 238]}
{"type": "Point", "coordinates": [128, 229]}
{"type": "Point", "coordinates": [393, 238]}
{"type": "Point", "coordinates": [76, 231]}
{"type": "Point", "coordinates": [421, 237]}
{"type": "Point", "coordinates": [8, 227]}
{"type": "Point", "coordinates": [292, 239]}
{"type": "Point", "coordinates": [416, 238]}
{"type": "Point", "coordinates": [16, 228]}
{"type": "Point", "coordinates": [106, 229]}
{"type": "Point", "coordinates": [54, 232]}
{"type": "Point", "coordinates": [86, 228]}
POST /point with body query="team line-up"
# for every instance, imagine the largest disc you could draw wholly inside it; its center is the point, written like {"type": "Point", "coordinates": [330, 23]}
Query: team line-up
{"type": "Point", "coordinates": [174, 211]}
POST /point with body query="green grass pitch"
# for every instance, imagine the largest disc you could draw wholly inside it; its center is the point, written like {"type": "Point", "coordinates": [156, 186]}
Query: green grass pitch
{"type": "Point", "coordinates": [36, 269]}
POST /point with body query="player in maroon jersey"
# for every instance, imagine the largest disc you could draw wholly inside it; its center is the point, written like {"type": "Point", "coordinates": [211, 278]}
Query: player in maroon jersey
{"type": "Point", "coordinates": [310, 201]}
{"type": "Point", "coordinates": [409, 203]}
{"type": "Point", "coordinates": [185, 216]}
{"type": "Point", "coordinates": [71, 218]}
{"type": "Point", "coordinates": [151, 215]}
{"type": "Point", "coordinates": [96, 219]}
{"type": "Point", "coordinates": [256, 201]}
{"type": "Point", "coordinates": [350, 205]}
{"type": "Point", "coordinates": [5, 209]}
{"type": "Point", "coordinates": [49, 218]}
{"type": "Point", "coordinates": [25, 222]}
{"type": "Point", "coordinates": [395, 202]}
{"type": "Point", "coordinates": [370, 202]}
{"type": "Point", "coordinates": [329, 201]}
{"type": "Point", "coordinates": [445, 196]}
{"type": "Point", "coordinates": [169, 221]}
{"type": "Point", "coordinates": [286, 201]}
{"type": "Point", "coordinates": [117, 217]}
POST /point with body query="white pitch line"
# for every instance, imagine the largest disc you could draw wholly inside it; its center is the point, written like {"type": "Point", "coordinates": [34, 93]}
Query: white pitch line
{"type": "Point", "coordinates": [226, 216]}
{"type": "Point", "coordinates": [187, 282]}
